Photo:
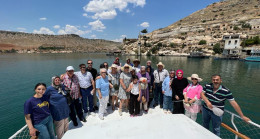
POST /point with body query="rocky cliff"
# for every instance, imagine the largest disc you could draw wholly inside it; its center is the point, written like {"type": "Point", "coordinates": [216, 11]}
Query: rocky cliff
{"type": "Point", "coordinates": [24, 42]}
{"type": "Point", "coordinates": [210, 24]}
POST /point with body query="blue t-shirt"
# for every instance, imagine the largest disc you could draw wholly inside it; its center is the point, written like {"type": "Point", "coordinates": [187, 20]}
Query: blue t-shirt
{"type": "Point", "coordinates": [103, 85]}
{"type": "Point", "coordinates": [58, 104]}
{"type": "Point", "coordinates": [38, 108]}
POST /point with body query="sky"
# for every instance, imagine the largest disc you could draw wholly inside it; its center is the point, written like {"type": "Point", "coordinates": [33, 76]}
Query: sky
{"type": "Point", "coordinates": [94, 19]}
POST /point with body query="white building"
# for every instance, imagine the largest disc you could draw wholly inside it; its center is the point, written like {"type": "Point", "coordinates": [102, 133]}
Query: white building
{"type": "Point", "coordinates": [232, 45]}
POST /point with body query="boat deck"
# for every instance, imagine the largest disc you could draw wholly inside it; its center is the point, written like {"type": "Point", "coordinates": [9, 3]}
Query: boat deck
{"type": "Point", "coordinates": [155, 124]}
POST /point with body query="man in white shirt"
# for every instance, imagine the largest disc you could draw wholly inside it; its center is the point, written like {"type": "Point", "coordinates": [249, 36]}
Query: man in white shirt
{"type": "Point", "coordinates": [159, 75]}
{"type": "Point", "coordinates": [87, 88]}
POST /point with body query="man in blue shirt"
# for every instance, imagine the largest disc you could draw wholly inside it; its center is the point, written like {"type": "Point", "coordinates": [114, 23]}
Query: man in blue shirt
{"type": "Point", "coordinates": [214, 95]}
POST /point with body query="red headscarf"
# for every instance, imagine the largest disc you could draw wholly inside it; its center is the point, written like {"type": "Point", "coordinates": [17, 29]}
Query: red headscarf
{"type": "Point", "coordinates": [179, 78]}
{"type": "Point", "coordinates": [116, 62]}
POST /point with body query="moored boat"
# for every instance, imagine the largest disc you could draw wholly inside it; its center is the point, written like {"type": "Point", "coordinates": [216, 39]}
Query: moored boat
{"type": "Point", "coordinates": [255, 56]}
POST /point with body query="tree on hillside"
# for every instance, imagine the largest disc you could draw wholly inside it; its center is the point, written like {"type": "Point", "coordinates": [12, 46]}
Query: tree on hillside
{"type": "Point", "coordinates": [202, 42]}
{"type": "Point", "coordinates": [144, 31]}
{"type": "Point", "coordinates": [217, 49]}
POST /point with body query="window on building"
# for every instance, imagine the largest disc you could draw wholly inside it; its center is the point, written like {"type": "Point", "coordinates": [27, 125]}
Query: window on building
{"type": "Point", "coordinates": [229, 42]}
{"type": "Point", "coordinates": [235, 42]}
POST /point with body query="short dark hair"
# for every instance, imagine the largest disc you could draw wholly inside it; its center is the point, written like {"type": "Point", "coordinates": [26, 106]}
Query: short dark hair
{"type": "Point", "coordinates": [214, 75]}
{"type": "Point", "coordinates": [39, 84]}
{"type": "Point", "coordinates": [135, 77]}
{"type": "Point", "coordinates": [80, 65]}
{"type": "Point", "coordinates": [102, 66]}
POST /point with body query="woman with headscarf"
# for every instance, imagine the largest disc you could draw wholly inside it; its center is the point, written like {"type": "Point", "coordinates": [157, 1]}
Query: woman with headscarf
{"type": "Point", "coordinates": [150, 84]}
{"type": "Point", "coordinates": [58, 106]}
{"type": "Point", "coordinates": [178, 84]}
{"type": "Point", "coordinates": [144, 79]}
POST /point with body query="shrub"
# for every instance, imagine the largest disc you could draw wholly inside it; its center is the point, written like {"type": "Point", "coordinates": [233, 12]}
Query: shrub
{"type": "Point", "coordinates": [202, 42]}
{"type": "Point", "coordinates": [251, 41]}
{"type": "Point", "coordinates": [235, 28]}
{"type": "Point", "coordinates": [154, 49]}
{"type": "Point", "coordinates": [159, 44]}
{"type": "Point", "coordinates": [148, 53]}
{"type": "Point", "coordinates": [217, 49]}
{"type": "Point", "coordinates": [173, 45]}
{"type": "Point", "coordinates": [203, 21]}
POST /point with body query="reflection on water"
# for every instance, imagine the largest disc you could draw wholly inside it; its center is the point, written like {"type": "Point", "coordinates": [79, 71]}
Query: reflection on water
{"type": "Point", "coordinates": [20, 72]}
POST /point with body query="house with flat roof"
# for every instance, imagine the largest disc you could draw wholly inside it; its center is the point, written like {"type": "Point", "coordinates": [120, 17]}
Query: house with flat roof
{"type": "Point", "coordinates": [232, 45]}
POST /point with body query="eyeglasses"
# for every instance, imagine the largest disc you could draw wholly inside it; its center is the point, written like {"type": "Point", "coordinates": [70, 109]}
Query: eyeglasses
{"type": "Point", "coordinates": [126, 67]}
{"type": "Point", "coordinates": [83, 67]}
{"type": "Point", "coordinates": [194, 79]}
{"type": "Point", "coordinates": [90, 63]}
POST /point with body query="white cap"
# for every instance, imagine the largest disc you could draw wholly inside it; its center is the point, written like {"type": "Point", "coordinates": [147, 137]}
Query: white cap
{"type": "Point", "coordinates": [69, 68]}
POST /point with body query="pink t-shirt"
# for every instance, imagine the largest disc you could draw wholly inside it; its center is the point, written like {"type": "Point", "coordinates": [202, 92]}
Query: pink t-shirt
{"type": "Point", "coordinates": [193, 91]}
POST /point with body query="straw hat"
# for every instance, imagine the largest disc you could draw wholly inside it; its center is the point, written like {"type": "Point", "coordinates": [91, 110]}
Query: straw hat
{"type": "Point", "coordinates": [137, 60]}
{"type": "Point", "coordinates": [196, 76]}
{"type": "Point", "coordinates": [160, 63]}
{"type": "Point", "coordinates": [113, 66]}
{"type": "Point", "coordinates": [126, 65]}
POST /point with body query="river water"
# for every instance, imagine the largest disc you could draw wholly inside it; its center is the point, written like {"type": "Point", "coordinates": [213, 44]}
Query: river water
{"type": "Point", "coordinates": [20, 72]}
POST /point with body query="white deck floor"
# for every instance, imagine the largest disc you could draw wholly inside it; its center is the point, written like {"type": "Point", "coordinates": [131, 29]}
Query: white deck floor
{"type": "Point", "coordinates": [154, 125]}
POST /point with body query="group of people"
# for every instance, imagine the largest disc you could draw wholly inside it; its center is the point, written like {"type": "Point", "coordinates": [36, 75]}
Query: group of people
{"type": "Point", "coordinates": [131, 88]}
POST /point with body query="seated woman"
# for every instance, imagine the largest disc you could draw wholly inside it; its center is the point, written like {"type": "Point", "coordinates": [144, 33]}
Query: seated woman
{"type": "Point", "coordinates": [58, 106]}
{"type": "Point", "coordinates": [192, 103]}
{"type": "Point", "coordinates": [37, 114]}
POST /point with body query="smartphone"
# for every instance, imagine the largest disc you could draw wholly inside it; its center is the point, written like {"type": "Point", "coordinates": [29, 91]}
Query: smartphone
{"type": "Point", "coordinates": [38, 133]}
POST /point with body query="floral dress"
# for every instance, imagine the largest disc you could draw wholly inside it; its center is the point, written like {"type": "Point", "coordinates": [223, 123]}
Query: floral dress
{"type": "Point", "coordinates": [127, 77]}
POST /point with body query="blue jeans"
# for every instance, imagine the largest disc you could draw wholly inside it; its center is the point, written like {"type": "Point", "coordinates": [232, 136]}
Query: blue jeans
{"type": "Point", "coordinates": [167, 102]}
{"type": "Point", "coordinates": [216, 120]}
{"type": "Point", "coordinates": [158, 95]}
{"type": "Point", "coordinates": [46, 128]}
{"type": "Point", "coordinates": [87, 98]}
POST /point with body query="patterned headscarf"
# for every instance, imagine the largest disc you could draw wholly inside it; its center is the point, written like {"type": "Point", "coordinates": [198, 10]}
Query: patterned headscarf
{"type": "Point", "coordinates": [58, 87]}
{"type": "Point", "coordinates": [179, 78]}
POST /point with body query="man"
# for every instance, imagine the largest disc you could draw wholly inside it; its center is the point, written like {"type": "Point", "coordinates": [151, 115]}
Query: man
{"type": "Point", "coordinates": [87, 88]}
{"type": "Point", "coordinates": [93, 72]}
{"type": "Point", "coordinates": [159, 75]}
{"type": "Point", "coordinates": [71, 82]}
{"type": "Point", "coordinates": [137, 66]}
{"type": "Point", "coordinates": [214, 96]}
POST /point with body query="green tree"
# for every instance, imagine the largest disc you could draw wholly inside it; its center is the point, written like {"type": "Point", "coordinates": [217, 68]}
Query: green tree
{"type": "Point", "coordinates": [202, 42]}
{"type": "Point", "coordinates": [144, 31]}
{"type": "Point", "coordinates": [217, 49]}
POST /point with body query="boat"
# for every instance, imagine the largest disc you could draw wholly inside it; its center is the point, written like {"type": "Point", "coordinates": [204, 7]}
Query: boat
{"type": "Point", "coordinates": [197, 55]}
{"type": "Point", "coordinates": [177, 125]}
{"type": "Point", "coordinates": [255, 55]}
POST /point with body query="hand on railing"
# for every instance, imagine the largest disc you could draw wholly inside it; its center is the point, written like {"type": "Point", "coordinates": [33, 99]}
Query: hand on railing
{"type": "Point", "coordinates": [246, 119]}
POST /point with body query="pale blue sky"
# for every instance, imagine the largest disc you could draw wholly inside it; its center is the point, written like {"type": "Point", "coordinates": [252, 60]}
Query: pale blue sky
{"type": "Point", "coordinates": [102, 19]}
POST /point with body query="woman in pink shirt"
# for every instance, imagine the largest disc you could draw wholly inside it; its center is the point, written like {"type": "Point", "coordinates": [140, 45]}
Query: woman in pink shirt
{"type": "Point", "coordinates": [192, 103]}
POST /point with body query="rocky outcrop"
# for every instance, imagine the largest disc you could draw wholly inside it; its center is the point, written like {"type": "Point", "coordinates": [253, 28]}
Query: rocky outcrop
{"type": "Point", "coordinates": [26, 42]}
{"type": "Point", "coordinates": [210, 24]}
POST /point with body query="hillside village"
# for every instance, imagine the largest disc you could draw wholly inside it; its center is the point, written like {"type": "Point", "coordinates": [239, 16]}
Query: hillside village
{"type": "Point", "coordinates": [205, 29]}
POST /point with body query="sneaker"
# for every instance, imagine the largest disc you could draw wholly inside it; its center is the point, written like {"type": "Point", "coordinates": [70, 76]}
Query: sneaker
{"type": "Point", "coordinates": [96, 108]}
{"type": "Point", "coordinates": [105, 112]}
{"type": "Point", "coordinates": [145, 111]}
{"type": "Point", "coordinates": [120, 111]}
{"type": "Point", "coordinates": [131, 115]}
{"type": "Point", "coordinates": [169, 112]}
{"type": "Point", "coordinates": [165, 111]}
{"type": "Point", "coordinates": [83, 120]}
{"type": "Point", "coordinates": [161, 106]}
{"type": "Point", "coordinates": [92, 114]}
{"type": "Point", "coordinates": [101, 117]}
{"type": "Point", "coordinates": [154, 105]}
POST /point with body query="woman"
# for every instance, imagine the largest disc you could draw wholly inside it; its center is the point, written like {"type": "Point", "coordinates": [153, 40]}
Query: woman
{"type": "Point", "coordinates": [114, 80]}
{"type": "Point", "coordinates": [144, 80]}
{"type": "Point", "coordinates": [192, 103]}
{"type": "Point", "coordinates": [150, 84]}
{"type": "Point", "coordinates": [102, 86]}
{"type": "Point", "coordinates": [178, 84]}
{"type": "Point", "coordinates": [135, 97]}
{"type": "Point", "coordinates": [58, 106]}
{"type": "Point", "coordinates": [125, 80]}
{"type": "Point", "coordinates": [37, 114]}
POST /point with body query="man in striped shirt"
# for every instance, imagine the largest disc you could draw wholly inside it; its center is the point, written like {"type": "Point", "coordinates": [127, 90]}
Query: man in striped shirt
{"type": "Point", "coordinates": [214, 95]}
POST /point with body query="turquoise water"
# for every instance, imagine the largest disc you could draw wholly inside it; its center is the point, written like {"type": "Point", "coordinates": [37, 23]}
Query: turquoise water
{"type": "Point", "coordinates": [20, 72]}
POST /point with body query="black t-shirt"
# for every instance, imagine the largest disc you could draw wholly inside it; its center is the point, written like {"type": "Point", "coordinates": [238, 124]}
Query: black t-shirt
{"type": "Point", "coordinates": [93, 72]}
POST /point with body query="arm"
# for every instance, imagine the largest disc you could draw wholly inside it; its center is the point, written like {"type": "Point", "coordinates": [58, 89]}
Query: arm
{"type": "Point", "coordinates": [238, 110]}
{"type": "Point", "coordinates": [93, 84]}
{"type": "Point", "coordinates": [30, 125]}
{"type": "Point", "coordinates": [164, 86]}
{"type": "Point", "coordinates": [122, 84]}
{"type": "Point", "coordinates": [202, 95]}
{"type": "Point", "coordinates": [139, 97]}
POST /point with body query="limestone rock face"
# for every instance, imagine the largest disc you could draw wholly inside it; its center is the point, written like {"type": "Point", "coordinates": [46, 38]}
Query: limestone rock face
{"type": "Point", "coordinates": [210, 24]}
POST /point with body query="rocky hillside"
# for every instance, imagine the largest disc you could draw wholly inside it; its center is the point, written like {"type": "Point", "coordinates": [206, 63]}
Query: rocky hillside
{"type": "Point", "coordinates": [24, 42]}
{"type": "Point", "coordinates": [210, 24]}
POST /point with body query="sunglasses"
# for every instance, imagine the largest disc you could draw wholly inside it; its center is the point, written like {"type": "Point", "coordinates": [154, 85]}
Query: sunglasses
{"type": "Point", "coordinates": [126, 67]}
{"type": "Point", "coordinates": [83, 67]}
{"type": "Point", "coordinates": [194, 79]}
{"type": "Point", "coordinates": [90, 63]}
{"type": "Point", "coordinates": [179, 73]}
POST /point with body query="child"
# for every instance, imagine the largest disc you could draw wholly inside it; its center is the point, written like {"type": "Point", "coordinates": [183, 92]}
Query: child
{"type": "Point", "coordinates": [135, 94]}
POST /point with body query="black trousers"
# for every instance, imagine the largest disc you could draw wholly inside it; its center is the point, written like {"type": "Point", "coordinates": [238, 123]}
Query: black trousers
{"type": "Point", "coordinates": [134, 104]}
{"type": "Point", "coordinates": [76, 105]}
{"type": "Point", "coordinates": [178, 107]}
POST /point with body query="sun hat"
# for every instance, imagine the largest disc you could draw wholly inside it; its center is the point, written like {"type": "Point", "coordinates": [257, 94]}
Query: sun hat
{"type": "Point", "coordinates": [160, 63]}
{"type": "Point", "coordinates": [137, 60]}
{"type": "Point", "coordinates": [113, 66]}
{"type": "Point", "coordinates": [196, 76]}
{"type": "Point", "coordinates": [126, 65]}
{"type": "Point", "coordinates": [217, 111]}
{"type": "Point", "coordinates": [69, 68]}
